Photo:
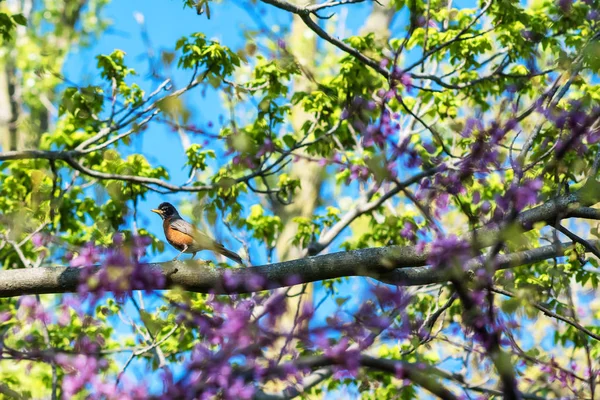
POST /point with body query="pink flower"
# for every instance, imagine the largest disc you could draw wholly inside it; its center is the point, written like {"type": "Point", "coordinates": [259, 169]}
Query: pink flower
{"type": "Point", "coordinates": [88, 256]}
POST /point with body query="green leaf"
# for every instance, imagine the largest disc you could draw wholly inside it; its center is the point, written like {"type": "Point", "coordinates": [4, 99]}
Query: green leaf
{"type": "Point", "coordinates": [19, 19]}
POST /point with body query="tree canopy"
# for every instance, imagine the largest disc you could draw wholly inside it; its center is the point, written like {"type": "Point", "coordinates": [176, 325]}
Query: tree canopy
{"type": "Point", "coordinates": [411, 183]}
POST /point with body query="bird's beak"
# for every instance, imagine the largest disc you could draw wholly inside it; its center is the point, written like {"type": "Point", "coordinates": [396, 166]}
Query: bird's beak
{"type": "Point", "coordinates": [156, 211]}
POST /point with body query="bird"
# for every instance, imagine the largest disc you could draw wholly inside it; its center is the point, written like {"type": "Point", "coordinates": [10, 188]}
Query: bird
{"type": "Point", "coordinates": [186, 238]}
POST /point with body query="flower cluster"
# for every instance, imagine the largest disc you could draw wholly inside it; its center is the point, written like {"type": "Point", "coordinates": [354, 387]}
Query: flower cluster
{"type": "Point", "coordinates": [120, 269]}
{"type": "Point", "coordinates": [241, 341]}
{"type": "Point", "coordinates": [484, 152]}
{"type": "Point", "coordinates": [518, 197]}
{"type": "Point", "coordinates": [449, 251]}
{"type": "Point", "coordinates": [31, 310]}
{"type": "Point", "coordinates": [83, 373]}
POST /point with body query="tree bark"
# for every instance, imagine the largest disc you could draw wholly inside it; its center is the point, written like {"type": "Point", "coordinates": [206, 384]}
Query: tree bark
{"type": "Point", "coordinates": [402, 266]}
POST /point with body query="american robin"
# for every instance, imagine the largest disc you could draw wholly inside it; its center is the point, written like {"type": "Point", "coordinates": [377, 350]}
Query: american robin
{"type": "Point", "coordinates": [186, 238]}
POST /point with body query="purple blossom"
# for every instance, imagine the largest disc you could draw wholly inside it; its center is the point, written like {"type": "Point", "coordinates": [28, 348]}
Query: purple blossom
{"type": "Point", "coordinates": [358, 172]}
{"type": "Point", "coordinates": [449, 183]}
{"type": "Point", "coordinates": [31, 310]}
{"type": "Point", "coordinates": [348, 360]}
{"type": "Point", "coordinates": [390, 94]}
{"type": "Point", "coordinates": [64, 316]}
{"type": "Point", "coordinates": [88, 256]}
{"type": "Point", "coordinates": [239, 390]}
{"type": "Point", "coordinates": [230, 280]}
{"type": "Point", "coordinates": [40, 239]}
{"type": "Point", "coordinates": [422, 21]}
{"type": "Point", "coordinates": [5, 316]}
{"type": "Point", "coordinates": [255, 282]}
{"type": "Point", "coordinates": [82, 369]}
{"type": "Point", "coordinates": [406, 81]}
{"type": "Point", "coordinates": [519, 196]}
{"type": "Point", "coordinates": [565, 5]}
{"type": "Point", "coordinates": [391, 167]}
{"type": "Point", "coordinates": [527, 194]}
{"type": "Point", "coordinates": [293, 280]}
{"type": "Point", "coordinates": [368, 316]}
{"type": "Point", "coordinates": [373, 136]}
{"type": "Point", "coordinates": [472, 125]}
{"type": "Point", "coordinates": [429, 147]}
{"type": "Point", "coordinates": [140, 244]}
{"type": "Point", "coordinates": [120, 271]}
{"type": "Point", "coordinates": [449, 250]}
{"type": "Point", "coordinates": [266, 148]}
{"type": "Point", "coordinates": [118, 238]}
{"type": "Point", "coordinates": [307, 310]}
{"type": "Point", "coordinates": [486, 207]}
{"type": "Point", "coordinates": [593, 136]}
{"type": "Point", "coordinates": [388, 297]}
{"type": "Point", "coordinates": [244, 160]}
{"type": "Point", "coordinates": [413, 159]}
{"type": "Point", "coordinates": [441, 202]}
{"type": "Point", "coordinates": [408, 231]}
{"type": "Point", "coordinates": [399, 370]}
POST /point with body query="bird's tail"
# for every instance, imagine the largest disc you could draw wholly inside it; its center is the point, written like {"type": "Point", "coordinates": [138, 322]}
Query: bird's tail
{"type": "Point", "coordinates": [230, 254]}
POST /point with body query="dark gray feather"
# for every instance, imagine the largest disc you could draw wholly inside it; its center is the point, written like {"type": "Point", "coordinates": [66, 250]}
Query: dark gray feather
{"type": "Point", "coordinates": [182, 225]}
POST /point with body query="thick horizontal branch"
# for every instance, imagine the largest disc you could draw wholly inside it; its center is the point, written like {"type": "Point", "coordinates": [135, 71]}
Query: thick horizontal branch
{"type": "Point", "coordinates": [401, 266]}
{"type": "Point", "coordinates": [196, 276]}
{"type": "Point", "coordinates": [418, 276]}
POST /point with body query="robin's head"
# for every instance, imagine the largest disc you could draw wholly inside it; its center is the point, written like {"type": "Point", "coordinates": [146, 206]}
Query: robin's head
{"type": "Point", "coordinates": [166, 210]}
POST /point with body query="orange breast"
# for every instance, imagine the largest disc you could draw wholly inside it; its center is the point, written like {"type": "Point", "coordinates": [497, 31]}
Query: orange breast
{"type": "Point", "coordinates": [175, 238]}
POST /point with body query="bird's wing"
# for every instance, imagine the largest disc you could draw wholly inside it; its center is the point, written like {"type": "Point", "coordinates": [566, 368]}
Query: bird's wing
{"type": "Point", "coordinates": [182, 226]}
{"type": "Point", "coordinates": [202, 240]}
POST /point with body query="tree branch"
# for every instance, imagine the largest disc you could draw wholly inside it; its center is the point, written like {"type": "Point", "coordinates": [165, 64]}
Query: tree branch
{"type": "Point", "coordinates": [552, 314]}
{"type": "Point", "coordinates": [304, 14]}
{"type": "Point", "coordinates": [400, 265]}
{"type": "Point", "coordinates": [420, 375]}
{"type": "Point", "coordinates": [362, 208]}
{"type": "Point", "coordinates": [403, 266]}
{"type": "Point", "coordinates": [457, 38]}
{"type": "Point", "coordinates": [577, 239]}
{"type": "Point", "coordinates": [308, 383]}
